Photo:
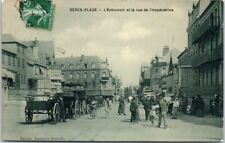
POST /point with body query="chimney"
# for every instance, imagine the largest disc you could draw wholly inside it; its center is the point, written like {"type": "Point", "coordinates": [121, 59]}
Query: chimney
{"type": "Point", "coordinates": [165, 50]}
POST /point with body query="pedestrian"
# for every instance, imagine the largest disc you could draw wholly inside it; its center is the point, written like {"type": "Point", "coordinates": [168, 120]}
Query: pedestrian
{"type": "Point", "coordinates": [185, 104]}
{"type": "Point", "coordinates": [189, 107]}
{"type": "Point", "coordinates": [133, 110]}
{"type": "Point", "coordinates": [62, 109]}
{"type": "Point", "coordinates": [146, 108]}
{"type": "Point", "coordinates": [152, 110]}
{"type": "Point", "coordinates": [170, 106]}
{"type": "Point", "coordinates": [200, 106]}
{"type": "Point", "coordinates": [137, 112]}
{"type": "Point", "coordinates": [162, 112]}
{"type": "Point", "coordinates": [216, 101]}
{"type": "Point", "coordinates": [121, 109]}
{"type": "Point", "coordinates": [211, 105]}
{"type": "Point", "coordinates": [108, 107]}
{"type": "Point", "coordinates": [193, 105]}
{"type": "Point", "coordinates": [93, 107]}
{"type": "Point", "coordinates": [130, 98]}
{"type": "Point", "coordinates": [175, 108]}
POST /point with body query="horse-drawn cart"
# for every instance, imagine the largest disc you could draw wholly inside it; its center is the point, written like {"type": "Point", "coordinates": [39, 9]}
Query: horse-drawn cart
{"type": "Point", "coordinates": [42, 104]}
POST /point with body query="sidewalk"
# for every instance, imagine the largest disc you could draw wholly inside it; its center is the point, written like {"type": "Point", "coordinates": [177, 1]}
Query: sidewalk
{"type": "Point", "coordinates": [206, 120]}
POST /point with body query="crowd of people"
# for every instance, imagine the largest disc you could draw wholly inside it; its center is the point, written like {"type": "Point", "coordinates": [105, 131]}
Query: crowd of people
{"type": "Point", "coordinates": [196, 105]}
{"type": "Point", "coordinates": [160, 106]}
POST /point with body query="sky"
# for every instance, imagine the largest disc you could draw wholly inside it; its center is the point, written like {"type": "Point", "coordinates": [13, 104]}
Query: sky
{"type": "Point", "coordinates": [126, 39]}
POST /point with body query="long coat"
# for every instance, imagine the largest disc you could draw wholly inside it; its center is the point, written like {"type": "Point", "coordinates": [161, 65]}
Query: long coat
{"type": "Point", "coordinates": [121, 109]}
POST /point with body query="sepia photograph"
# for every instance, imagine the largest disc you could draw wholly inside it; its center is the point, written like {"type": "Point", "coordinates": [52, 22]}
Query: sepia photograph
{"type": "Point", "coordinates": [112, 70]}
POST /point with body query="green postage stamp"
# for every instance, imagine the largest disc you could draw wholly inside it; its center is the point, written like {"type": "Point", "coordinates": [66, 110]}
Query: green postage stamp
{"type": "Point", "coordinates": [37, 13]}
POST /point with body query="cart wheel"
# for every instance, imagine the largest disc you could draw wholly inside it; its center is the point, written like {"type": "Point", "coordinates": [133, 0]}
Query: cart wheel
{"type": "Point", "coordinates": [56, 112]}
{"type": "Point", "coordinates": [28, 115]}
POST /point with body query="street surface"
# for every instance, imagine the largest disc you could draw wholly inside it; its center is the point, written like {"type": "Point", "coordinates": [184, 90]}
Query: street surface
{"type": "Point", "coordinates": [116, 128]}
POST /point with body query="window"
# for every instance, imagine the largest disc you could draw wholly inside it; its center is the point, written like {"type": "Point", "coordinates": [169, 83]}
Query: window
{"type": "Point", "coordinates": [18, 60]}
{"type": "Point", "coordinates": [14, 61]}
{"type": "Point", "coordinates": [85, 75]}
{"type": "Point", "coordinates": [23, 49]}
{"type": "Point", "coordinates": [23, 63]}
{"type": "Point", "coordinates": [21, 78]}
{"type": "Point", "coordinates": [104, 74]}
{"type": "Point", "coordinates": [3, 58]}
{"type": "Point", "coordinates": [36, 71]}
{"type": "Point", "coordinates": [78, 66]}
{"type": "Point", "coordinates": [93, 75]}
{"type": "Point", "coordinates": [85, 66]}
{"type": "Point", "coordinates": [9, 60]}
{"type": "Point", "coordinates": [93, 84]}
{"type": "Point", "coordinates": [71, 75]}
{"type": "Point", "coordinates": [24, 78]}
{"type": "Point", "coordinates": [93, 65]}
{"type": "Point", "coordinates": [78, 75]}
{"type": "Point", "coordinates": [70, 66]}
{"type": "Point", "coordinates": [18, 48]}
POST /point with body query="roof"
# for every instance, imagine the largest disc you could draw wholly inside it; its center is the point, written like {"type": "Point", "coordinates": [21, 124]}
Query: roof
{"type": "Point", "coordinates": [159, 64]}
{"type": "Point", "coordinates": [185, 50]}
{"type": "Point", "coordinates": [8, 38]}
{"type": "Point", "coordinates": [172, 53]}
{"type": "Point", "coordinates": [82, 58]}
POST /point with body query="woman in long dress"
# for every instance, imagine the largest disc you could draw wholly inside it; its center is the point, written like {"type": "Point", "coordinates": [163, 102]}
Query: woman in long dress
{"type": "Point", "coordinates": [93, 107]}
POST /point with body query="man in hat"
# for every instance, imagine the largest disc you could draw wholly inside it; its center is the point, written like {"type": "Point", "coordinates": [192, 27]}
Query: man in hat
{"type": "Point", "coordinates": [133, 110]}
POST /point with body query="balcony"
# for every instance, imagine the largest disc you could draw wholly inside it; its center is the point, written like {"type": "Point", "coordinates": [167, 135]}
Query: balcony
{"type": "Point", "coordinates": [205, 28]}
{"type": "Point", "coordinates": [217, 53]}
{"type": "Point", "coordinates": [104, 79]}
{"type": "Point", "coordinates": [200, 59]}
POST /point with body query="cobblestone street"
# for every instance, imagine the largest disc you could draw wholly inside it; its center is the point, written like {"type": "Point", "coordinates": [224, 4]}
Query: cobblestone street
{"type": "Point", "coordinates": [116, 128]}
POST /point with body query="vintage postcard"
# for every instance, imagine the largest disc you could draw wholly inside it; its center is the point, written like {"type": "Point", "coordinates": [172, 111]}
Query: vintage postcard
{"type": "Point", "coordinates": [106, 70]}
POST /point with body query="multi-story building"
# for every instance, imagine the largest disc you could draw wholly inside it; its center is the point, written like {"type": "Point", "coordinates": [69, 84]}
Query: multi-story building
{"type": "Point", "coordinates": [185, 74]}
{"type": "Point", "coordinates": [20, 60]}
{"type": "Point", "coordinates": [144, 77]}
{"type": "Point", "coordinates": [157, 70]}
{"type": "Point", "coordinates": [90, 71]}
{"type": "Point", "coordinates": [205, 40]}
{"type": "Point", "coordinates": [38, 73]}
{"type": "Point", "coordinates": [14, 62]}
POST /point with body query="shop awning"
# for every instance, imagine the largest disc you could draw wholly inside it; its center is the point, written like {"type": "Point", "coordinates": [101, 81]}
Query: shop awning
{"type": "Point", "coordinates": [8, 74]}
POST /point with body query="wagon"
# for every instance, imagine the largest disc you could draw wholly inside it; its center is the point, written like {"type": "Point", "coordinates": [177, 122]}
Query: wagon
{"type": "Point", "coordinates": [42, 104]}
{"type": "Point", "coordinates": [75, 99]}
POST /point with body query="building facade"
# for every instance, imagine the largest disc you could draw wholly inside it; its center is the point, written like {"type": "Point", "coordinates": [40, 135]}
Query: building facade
{"type": "Point", "coordinates": [185, 74]}
{"type": "Point", "coordinates": [20, 61]}
{"type": "Point", "coordinates": [90, 71]}
{"type": "Point", "coordinates": [56, 78]}
{"type": "Point", "coordinates": [205, 40]}
{"type": "Point", "coordinates": [14, 63]}
{"type": "Point", "coordinates": [157, 70]}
